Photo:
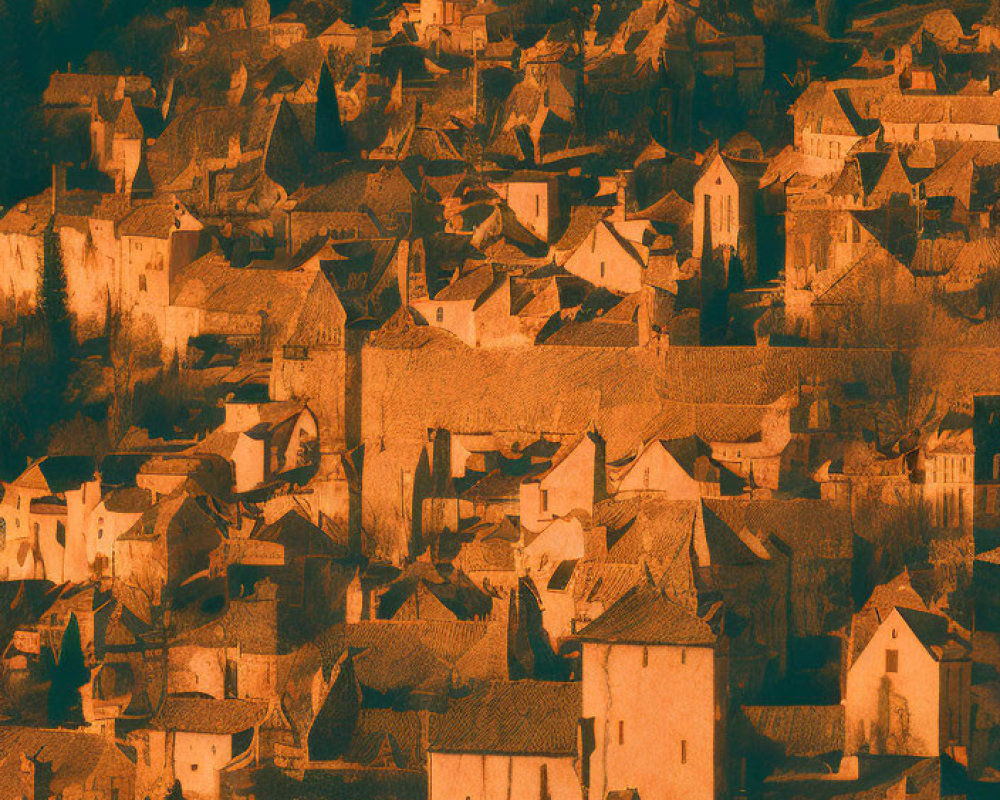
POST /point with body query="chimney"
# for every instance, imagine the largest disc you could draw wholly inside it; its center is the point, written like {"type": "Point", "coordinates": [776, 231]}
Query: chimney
{"type": "Point", "coordinates": [624, 193]}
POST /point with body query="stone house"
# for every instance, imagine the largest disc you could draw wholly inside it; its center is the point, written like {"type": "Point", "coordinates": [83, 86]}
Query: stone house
{"type": "Point", "coordinates": [726, 200]}
{"type": "Point", "coordinates": [487, 307]}
{"type": "Point", "coordinates": [235, 655]}
{"type": "Point", "coordinates": [45, 763]}
{"type": "Point", "coordinates": [534, 199]}
{"type": "Point", "coordinates": [948, 460]}
{"type": "Point", "coordinates": [614, 255]}
{"type": "Point", "coordinates": [485, 747]}
{"type": "Point", "coordinates": [680, 469]}
{"type": "Point", "coordinates": [34, 519]}
{"type": "Point", "coordinates": [171, 542]}
{"type": "Point", "coordinates": [266, 443]}
{"type": "Point", "coordinates": [158, 239]}
{"type": "Point", "coordinates": [575, 480]}
{"type": "Point", "coordinates": [908, 690]}
{"type": "Point", "coordinates": [118, 510]}
{"type": "Point", "coordinates": [197, 741]}
{"type": "Point", "coordinates": [654, 700]}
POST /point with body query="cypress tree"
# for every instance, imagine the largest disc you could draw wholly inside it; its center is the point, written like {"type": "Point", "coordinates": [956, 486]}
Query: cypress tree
{"type": "Point", "coordinates": [52, 299]}
{"type": "Point", "coordinates": [70, 673]}
{"type": "Point", "coordinates": [329, 130]}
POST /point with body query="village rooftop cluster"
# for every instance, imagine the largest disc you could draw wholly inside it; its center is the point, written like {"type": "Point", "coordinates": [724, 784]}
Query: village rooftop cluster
{"type": "Point", "coordinates": [503, 401]}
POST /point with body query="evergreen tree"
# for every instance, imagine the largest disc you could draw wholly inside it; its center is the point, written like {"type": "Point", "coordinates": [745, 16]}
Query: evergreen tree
{"type": "Point", "coordinates": [330, 136]}
{"type": "Point", "coordinates": [52, 299]}
{"type": "Point", "coordinates": [70, 673]}
{"type": "Point", "coordinates": [175, 792]}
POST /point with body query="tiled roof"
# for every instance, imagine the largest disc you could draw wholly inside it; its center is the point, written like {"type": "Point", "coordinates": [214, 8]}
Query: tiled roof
{"type": "Point", "coordinates": [936, 633]}
{"type": "Point", "coordinates": [57, 474]}
{"type": "Point", "coordinates": [128, 500]}
{"type": "Point", "coordinates": [757, 376]}
{"type": "Point", "coordinates": [148, 219]}
{"type": "Point", "coordinates": [469, 286]}
{"type": "Point", "coordinates": [208, 715]}
{"type": "Point", "coordinates": [595, 333]}
{"type": "Point", "coordinates": [76, 758]}
{"type": "Point", "coordinates": [402, 655]}
{"type": "Point", "coordinates": [800, 731]}
{"type": "Point", "coordinates": [645, 616]}
{"type": "Point", "coordinates": [513, 718]}
{"type": "Point", "coordinates": [811, 528]}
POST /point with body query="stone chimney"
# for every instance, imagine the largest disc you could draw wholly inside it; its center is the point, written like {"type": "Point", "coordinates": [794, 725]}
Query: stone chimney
{"type": "Point", "coordinates": [624, 207]}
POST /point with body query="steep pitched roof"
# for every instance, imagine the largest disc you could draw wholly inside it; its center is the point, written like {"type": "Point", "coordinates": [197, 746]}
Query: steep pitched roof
{"type": "Point", "coordinates": [645, 616]}
{"type": "Point", "coordinates": [513, 718]}
{"type": "Point", "coordinates": [57, 474]}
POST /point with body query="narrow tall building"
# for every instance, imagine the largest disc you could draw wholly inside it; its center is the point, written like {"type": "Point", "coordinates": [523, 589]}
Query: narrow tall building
{"type": "Point", "coordinates": [654, 700]}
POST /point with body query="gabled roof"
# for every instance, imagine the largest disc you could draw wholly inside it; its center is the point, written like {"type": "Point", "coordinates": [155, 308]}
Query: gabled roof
{"type": "Point", "coordinates": [645, 616]}
{"type": "Point", "coordinates": [513, 718]}
{"type": "Point", "coordinates": [57, 474]}
{"type": "Point", "coordinates": [936, 633]}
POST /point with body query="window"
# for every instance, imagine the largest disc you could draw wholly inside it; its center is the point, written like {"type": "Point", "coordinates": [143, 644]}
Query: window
{"type": "Point", "coordinates": [894, 633]}
{"type": "Point", "coordinates": [543, 781]}
{"type": "Point", "coordinates": [142, 283]}
{"type": "Point", "coordinates": [645, 656]}
{"type": "Point", "coordinates": [3, 532]}
{"type": "Point", "coordinates": [439, 315]}
{"type": "Point", "coordinates": [544, 495]}
{"type": "Point", "coordinates": [100, 533]}
{"type": "Point", "coordinates": [684, 655]}
{"type": "Point", "coordinates": [729, 213]}
{"type": "Point", "coordinates": [684, 751]}
{"type": "Point", "coordinates": [892, 661]}
{"type": "Point", "coordinates": [621, 732]}
{"type": "Point", "coordinates": [996, 467]}
{"type": "Point", "coordinates": [645, 478]}
{"type": "Point", "coordinates": [538, 205]}
{"type": "Point", "coordinates": [194, 767]}
{"type": "Point", "coordinates": [603, 269]}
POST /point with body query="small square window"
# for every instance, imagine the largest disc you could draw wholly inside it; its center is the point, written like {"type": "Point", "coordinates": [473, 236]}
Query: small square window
{"type": "Point", "coordinates": [194, 767]}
